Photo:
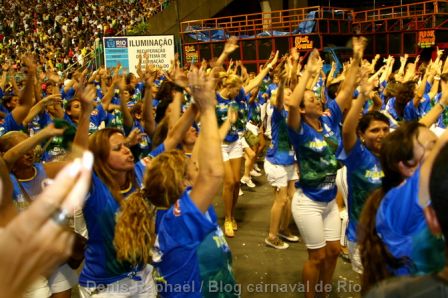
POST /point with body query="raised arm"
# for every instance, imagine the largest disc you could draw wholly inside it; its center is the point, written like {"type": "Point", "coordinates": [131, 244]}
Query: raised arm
{"type": "Point", "coordinates": [403, 61]}
{"type": "Point", "coordinates": [26, 98]}
{"type": "Point", "coordinates": [19, 150]}
{"type": "Point", "coordinates": [230, 46]}
{"type": "Point", "coordinates": [12, 79]}
{"type": "Point", "coordinates": [40, 106]}
{"type": "Point", "coordinates": [87, 95]}
{"type": "Point", "coordinates": [5, 68]}
{"type": "Point", "coordinates": [149, 123]}
{"type": "Point", "coordinates": [351, 121]}
{"type": "Point", "coordinates": [255, 82]}
{"type": "Point", "coordinates": [344, 97]}
{"type": "Point", "coordinates": [127, 117]}
{"type": "Point", "coordinates": [210, 163]}
{"type": "Point", "coordinates": [431, 117]}
{"type": "Point", "coordinates": [312, 67]}
{"type": "Point", "coordinates": [180, 128]}
{"type": "Point", "coordinates": [232, 116]}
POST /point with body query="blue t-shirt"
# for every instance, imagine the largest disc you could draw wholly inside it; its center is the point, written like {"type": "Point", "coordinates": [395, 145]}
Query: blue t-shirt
{"type": "Point", "coordinates": [401, 225]}
{"type": "Point", "coordinates": [191, 251]}
{"type": "Point", "coordinates": [66, 96]}
{"type": "Point", "coordinates": [4, 109]}
{"type": "Point", "coordinates": [280, 151]}
{"type": "Point", "coordinates": [390, 108]}
{"type": "Point", "coordinates": [101, 266]}
{"type": "Point", "coordinates": [316, 155]}
{"type": "Point", "coordinates": [39, 122]}
{"type": "Point", "coordinates": [364, 173]}
{"type": "Point", "coordinates": [239, 103]}
{"type": "Point", "coordinates": [10, 124]}
{"type": "Point", "coordinates": [30, 189]}
{"type": "Point", "coordinates": [412, 112]}
{"type": "Point", "coordinates": [115, 118]}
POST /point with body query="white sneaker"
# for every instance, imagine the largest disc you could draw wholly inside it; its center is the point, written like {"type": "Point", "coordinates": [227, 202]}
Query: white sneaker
{"type": "Point", "coordinates": [247, 181]}
{"type": "Point", "coordinates": [257, 168]}
{"type": "Point", "coordinates": [255, 173]}
{"type": "Point", "coordinates": [240, 193]}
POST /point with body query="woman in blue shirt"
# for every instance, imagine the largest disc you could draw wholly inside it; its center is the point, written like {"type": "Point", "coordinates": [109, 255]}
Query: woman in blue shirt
{"type": "Point", "coordinates": [232, 94]}
{"type": "Point", "coordinates": [190, 252]}
{"type": "Point", "coordinates": [361, 139]}
{"type": "Point", "coordinates": [393, 236]}
{"type": "Point", "coordinates": [315, 136]}
{"type": "Point", "coordinates": [281, 172]}
{"type": "Point", "coordinates": [114, 178]}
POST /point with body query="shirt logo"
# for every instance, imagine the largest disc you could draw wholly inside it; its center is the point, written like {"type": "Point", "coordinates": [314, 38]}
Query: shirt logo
{"type": "Point", "coordinates": [176, 209]}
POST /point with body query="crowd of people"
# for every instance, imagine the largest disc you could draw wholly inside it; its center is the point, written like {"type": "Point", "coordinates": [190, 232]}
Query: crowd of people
{"type": "Point", "coordinates": [63, 33]}
{"type": "Point", "coordinates": [117, 173]}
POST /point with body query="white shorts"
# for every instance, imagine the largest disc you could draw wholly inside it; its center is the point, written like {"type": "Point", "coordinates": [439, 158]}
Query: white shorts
{"type": "Point", "coordinates": [125, 287]}
{"type": "Point", "coordinates": [341, 183]}
{"type": "Point", "coordinates": [318, 222]}
{"type": "Point", "coordinates": [232, 150]}
{"type": "Point", "coordinates": [355, 257]}
{"type": "Point", "coordinates": [63, 279]}
{"type": "Point", "coordinates": [279, 175]}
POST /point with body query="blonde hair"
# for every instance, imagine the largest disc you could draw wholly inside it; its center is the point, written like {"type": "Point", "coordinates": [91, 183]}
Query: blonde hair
{"type": "Point", "coordinates": [135, 227]}
{"type": "Point", "coordinates": [164, 178]}
{"type": "Point", "coordinates": [229, 80]}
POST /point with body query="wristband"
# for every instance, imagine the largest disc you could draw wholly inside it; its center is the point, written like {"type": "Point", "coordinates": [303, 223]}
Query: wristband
{"type": "Point", "coordinates": [437, 78]}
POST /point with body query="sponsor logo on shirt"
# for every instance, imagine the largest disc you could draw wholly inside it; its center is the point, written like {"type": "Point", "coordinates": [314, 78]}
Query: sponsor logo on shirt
{"type": "Point", "coordinates": [176, 209]}
{"type": "Point", "coordinates": [317, 144]}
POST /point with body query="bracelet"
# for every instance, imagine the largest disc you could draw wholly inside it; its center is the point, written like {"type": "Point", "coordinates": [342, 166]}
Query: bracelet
{"type": "Point", "coordinates": [442, 105]}
{"type": "Point", "coordinates": [437, 78]}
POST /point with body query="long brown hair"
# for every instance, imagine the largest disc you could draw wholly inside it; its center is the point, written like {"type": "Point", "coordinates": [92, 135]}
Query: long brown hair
{"type": "Point", "coordinates": [163, 185]}
{"type": "Point", "coordinates": [375, 257]}
{"type": "Point", "coordinates": [99, 146]}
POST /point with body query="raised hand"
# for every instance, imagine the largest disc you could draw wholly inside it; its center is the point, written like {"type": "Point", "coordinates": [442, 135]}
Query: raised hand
{"type": "Point", "coordinates": [202, 88]}
{"type": "Point", "coordinates": [51, 130]}
{"type": "Point", "coordinates": [87, 95]}
{"type": "Point", "coordinates": [314, 62]}
{"type": "Point", "coordinates": [134, 137]}
{"type": "Point", "coordinates": [231, 45]}
{"type": "Point", "coordinates": [359, 45]}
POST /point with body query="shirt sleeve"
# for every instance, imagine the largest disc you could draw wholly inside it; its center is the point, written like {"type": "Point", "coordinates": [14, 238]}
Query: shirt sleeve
{"type": "Point", "coordinates": [352, 159]}
{"type": "Point", "coordinates": [399, 209]}
{"type": "Point", "coordinates": [336, 113]}
{"type": "Point", "coordinates": [183, 225]}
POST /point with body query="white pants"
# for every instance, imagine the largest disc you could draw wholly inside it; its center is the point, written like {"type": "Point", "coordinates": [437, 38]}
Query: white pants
{"type": "Point", "coordinates": [124, 288]}
{"type": "Point", "coordinates": [318, 222]}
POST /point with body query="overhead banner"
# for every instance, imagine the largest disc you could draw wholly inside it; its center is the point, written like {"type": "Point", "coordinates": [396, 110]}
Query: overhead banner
{"type": "Point", "coordinates": [426, 39]}
{"type": "Point", "coordinates": [157, 50]}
